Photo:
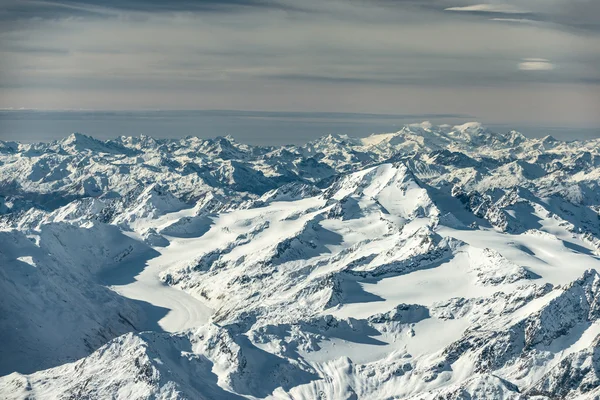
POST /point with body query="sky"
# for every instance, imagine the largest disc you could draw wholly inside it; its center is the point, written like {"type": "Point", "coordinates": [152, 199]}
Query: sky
{"type": "Point", "coordinates": [522, 62]}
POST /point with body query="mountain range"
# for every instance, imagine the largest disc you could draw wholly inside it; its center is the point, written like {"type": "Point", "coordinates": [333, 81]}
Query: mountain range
{"type": "Point", "coordinates": [437, 262]}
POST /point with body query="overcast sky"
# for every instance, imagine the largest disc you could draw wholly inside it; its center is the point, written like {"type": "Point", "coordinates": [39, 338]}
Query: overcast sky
{"type": "Point", "coordinates": [515, 61]}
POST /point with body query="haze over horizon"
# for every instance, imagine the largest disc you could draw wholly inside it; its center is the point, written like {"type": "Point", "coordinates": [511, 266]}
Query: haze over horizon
{"type": "Point", "coordinates": [250, 127]}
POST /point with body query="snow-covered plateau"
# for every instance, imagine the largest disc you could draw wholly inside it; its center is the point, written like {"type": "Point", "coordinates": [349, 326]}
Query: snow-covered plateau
{"type": "Point", "coordinates": [438, 262]}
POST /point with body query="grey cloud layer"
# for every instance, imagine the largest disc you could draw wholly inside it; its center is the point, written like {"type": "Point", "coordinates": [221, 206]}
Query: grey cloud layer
{"type": "Point", "coordinates": [580, 14]}
{"type": "Point", "coordinates": [293, 55]}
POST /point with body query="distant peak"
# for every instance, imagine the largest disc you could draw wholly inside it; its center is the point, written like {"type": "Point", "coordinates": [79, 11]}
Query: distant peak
{"type": "Point", "coordinates": [332, 136]}
{"type": "Point", "coordinates": [226, 138]}
{"type": "Point", "coordinates": [79, 136]}
{"type": "Point", "coordinates": [515, 136]}
{"type": "Point", "coordinates": [469, 126]}
{"type": "Point", "coordinates": [426, 125]}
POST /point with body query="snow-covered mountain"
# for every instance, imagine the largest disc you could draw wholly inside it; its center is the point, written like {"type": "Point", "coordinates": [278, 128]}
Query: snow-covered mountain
{"type": "Point", "coordinates": [436, 262]}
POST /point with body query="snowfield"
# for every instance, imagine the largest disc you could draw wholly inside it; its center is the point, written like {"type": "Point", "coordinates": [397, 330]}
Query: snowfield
{"type": "Point", "coordinates": [437, 262]}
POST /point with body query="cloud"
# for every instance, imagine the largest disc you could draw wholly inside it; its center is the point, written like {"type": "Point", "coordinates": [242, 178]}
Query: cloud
{"type": "Point", "coordinates": [489, 8]}
{"type": "Point", "coordinates": [57, 9]}
{"type": "Point", "coordinates": [516, 20]}
{"type": "Point", "coordinates": [536, 64]}
{"type": "Point", "coordinates": [572, 15]}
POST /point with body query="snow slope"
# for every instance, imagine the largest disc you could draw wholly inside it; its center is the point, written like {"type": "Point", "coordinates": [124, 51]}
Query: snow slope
{"type": "Point", "coordinates": [432, 263]}
{"type": "Point", "coordinates": [52, 308]}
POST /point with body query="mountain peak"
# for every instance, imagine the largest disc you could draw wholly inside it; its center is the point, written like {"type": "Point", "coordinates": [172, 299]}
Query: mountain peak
{"type": "Point", "coordinates": [78, 142]}
{"type": "Point", "coordinates": [425, 125]}
{"type": "Point", "coordinates": [77, 137]}
{"type": "Point", "coordinates": [469, 126]}
{"type": "Point", "coordinates": [225, 140]}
